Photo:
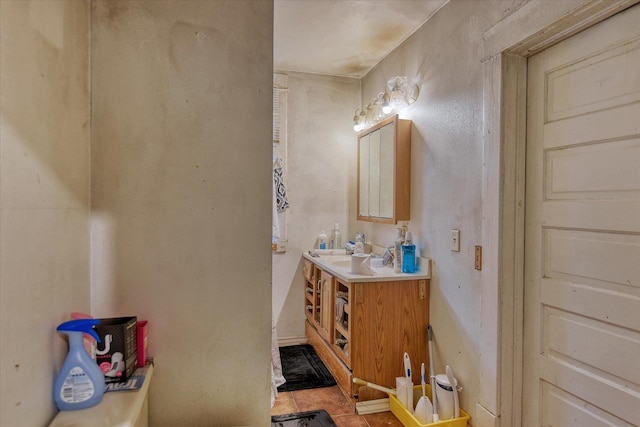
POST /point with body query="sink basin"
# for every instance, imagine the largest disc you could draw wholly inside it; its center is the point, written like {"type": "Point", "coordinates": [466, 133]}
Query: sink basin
{"type": "Point", "coordinates": [344, 263]}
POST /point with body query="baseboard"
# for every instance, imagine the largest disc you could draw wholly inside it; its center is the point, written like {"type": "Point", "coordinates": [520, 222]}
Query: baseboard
{"type": "Point", "coordinates": [372, 406]}
{"type": "Point", "coordinates": [287, 341]}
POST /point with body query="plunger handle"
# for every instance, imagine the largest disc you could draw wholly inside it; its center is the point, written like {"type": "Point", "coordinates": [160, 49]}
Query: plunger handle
{"type": "Point", "coordinates": [374, 386]}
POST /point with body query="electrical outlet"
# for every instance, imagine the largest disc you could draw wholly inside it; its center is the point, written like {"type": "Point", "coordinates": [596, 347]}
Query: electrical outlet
{"type": "Point", "coordinates": [279, 247]}
{"type": "Point", "coordinates": [478, 258]}
{"type": "Point", "coordinates": [455, 240]}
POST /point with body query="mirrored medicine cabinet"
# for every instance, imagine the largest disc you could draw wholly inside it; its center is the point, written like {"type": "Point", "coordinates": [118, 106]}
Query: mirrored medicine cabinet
{"type": "Point", "coordinates": [384, 172]}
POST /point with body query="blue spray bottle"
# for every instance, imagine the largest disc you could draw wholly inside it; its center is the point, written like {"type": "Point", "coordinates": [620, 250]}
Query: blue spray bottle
{"type": "Point", "coordinates": [80, 383]}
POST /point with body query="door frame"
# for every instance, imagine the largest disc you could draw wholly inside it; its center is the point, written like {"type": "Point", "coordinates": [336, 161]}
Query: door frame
{"type": "Point", "coordinates": [507, 45]}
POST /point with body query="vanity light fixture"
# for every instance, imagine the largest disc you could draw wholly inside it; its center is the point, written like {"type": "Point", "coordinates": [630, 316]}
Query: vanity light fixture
{"type": "Point", "coordinates": [398, 95]}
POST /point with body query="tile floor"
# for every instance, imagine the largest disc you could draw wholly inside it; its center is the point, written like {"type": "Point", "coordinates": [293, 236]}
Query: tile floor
{"type": "Point", "coordinates": [335, 403]}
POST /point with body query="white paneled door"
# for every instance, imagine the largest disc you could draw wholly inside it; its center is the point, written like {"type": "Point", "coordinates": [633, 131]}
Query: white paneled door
{"type": "Point", "coordinates": [582, 254]}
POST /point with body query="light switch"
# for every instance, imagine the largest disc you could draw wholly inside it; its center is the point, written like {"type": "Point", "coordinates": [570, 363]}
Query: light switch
{"type": "Point", "coordinates": [455, 240]}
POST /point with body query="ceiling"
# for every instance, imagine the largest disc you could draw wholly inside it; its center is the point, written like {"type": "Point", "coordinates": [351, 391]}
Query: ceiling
{"type": "Point", "coordinates": [343, 37]}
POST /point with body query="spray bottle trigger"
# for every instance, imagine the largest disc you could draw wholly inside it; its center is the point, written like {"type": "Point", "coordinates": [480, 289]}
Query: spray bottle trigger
{"type": "Point", "coordinates": [94, 334]}
{"type": "Point", "coordinates": [81, 325]}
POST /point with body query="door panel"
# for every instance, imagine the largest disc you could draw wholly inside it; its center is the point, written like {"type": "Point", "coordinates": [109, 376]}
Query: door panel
{"type": "Point", "coordinates": [563, 409]}
{"type": "Point", "coordinates": [582, 232]}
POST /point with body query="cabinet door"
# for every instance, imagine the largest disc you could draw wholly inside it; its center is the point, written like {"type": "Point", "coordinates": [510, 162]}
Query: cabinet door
{"type": "Point", "coordinates": [325, 283]}
{"type": "Point", "coordinates": [388, 319]}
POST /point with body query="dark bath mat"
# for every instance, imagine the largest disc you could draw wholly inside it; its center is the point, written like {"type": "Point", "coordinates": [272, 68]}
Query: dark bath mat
{"type": "Point", "coordinates": [303, 419]}
{"type": "Point", "coordinates": [303, 369]}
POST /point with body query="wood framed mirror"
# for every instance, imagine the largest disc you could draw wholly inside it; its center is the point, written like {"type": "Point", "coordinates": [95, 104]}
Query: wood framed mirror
{"type": "Point", "coordinates": [384, 172]}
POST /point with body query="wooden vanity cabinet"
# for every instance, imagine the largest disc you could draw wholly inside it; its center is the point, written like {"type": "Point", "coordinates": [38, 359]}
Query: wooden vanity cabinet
{"type": "Point", "coordinates": [371, 325]}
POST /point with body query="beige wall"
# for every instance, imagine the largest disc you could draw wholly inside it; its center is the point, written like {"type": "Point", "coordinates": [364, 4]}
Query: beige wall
{"type": "Point", "coordinates": [321, 157]}
{"type": "Point", "coordinates": [44, 197]}
{"type": "Point", "coordinates": [181, 198]}
{"type": "Point", "coordinates": [178, 179]}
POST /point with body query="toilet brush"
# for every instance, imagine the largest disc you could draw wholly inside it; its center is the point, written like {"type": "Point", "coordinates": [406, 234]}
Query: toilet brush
{"type": "Point", "coordinates": [424, 409]}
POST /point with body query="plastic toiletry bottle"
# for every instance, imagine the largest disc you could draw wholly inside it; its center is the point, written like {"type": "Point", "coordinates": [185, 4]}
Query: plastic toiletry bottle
{"type": "Point", "coordinates": [408, 254]}
{"type": "Point", "coordinates": [322, 240]}
{"type": "Point", "coordinates": [397, 251]}
{"type": "Point", "coordinates": [89, 341]}
{"type": "Point", "coordinates": [336, 237]}
{"type": "Point", "coordinates": [80, 383]}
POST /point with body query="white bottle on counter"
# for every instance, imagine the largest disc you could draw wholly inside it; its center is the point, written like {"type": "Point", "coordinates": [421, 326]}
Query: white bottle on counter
{"type": "Point", "coordinates": [336, 237]}
{"type": "Point", "coordinates": [322, 240]}
{"type": "Point", "coordinates": [397, 252]}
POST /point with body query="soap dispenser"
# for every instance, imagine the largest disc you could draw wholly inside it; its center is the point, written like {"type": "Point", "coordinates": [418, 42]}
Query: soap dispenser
{"type": "Point", "coordinates": [322, 240]}
{"type": "Point", "coordinates": [408, 254]}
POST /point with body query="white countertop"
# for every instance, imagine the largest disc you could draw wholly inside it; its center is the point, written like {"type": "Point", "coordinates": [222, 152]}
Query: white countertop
{"type": "Point", "coordinates": [340, 266]}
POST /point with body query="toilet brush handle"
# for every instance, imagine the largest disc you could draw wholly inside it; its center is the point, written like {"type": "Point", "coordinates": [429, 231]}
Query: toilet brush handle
{"type": "Point", "coordinates": [436, 418]}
